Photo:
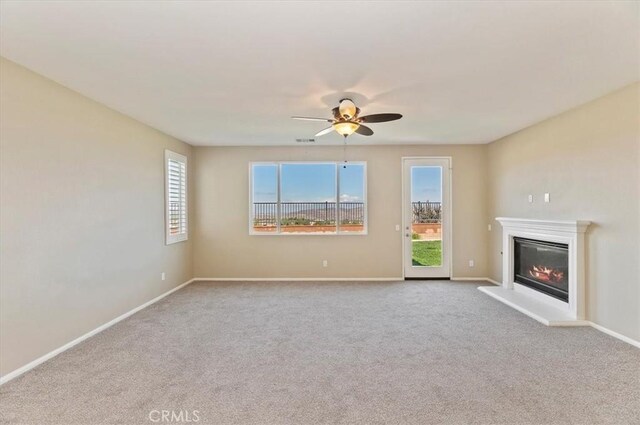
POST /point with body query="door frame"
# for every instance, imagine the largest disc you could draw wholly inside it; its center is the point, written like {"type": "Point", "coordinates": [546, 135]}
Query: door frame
{"type": "Point", "coordinates": [447, 228]}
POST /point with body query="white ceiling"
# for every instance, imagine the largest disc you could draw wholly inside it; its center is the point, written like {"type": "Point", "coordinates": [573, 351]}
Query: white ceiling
{"type": "Point", "coordinates": [232, 73]}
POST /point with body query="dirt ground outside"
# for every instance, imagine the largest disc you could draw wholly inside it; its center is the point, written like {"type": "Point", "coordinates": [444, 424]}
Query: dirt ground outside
{"type": "Point", "coordinates": [310, 228]}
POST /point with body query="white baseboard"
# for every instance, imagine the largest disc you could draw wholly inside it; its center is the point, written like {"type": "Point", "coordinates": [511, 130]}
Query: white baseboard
{"type": "Point", "coordinates": [469, 278]}
{"type": "Point", "coordinates": [11, 375]}
{"type": "Point", "coordinates": [326, 279]}
{"type": "Point", "coordinates": [484, 279]}
{"type": "Point", "coordinates": [298, 279]}
{"type": "Point", "coordinates": [615, 334]}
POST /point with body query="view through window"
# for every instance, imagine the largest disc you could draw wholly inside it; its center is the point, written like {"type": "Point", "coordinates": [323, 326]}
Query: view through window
{"type": "Point", "coordinates": [308, 197]}
{"type": "Point", "coordinates": [426, 223]}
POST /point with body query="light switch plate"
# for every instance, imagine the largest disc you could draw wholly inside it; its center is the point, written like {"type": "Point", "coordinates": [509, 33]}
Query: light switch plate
{"type": "Point", "coordinates": [546, 197]}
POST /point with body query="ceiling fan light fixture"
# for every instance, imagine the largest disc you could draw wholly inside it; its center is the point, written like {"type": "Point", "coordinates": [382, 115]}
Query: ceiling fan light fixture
{"type": "Point", "coordinates": [347, 109]}
{"type": "Point", "coordinates": [346, 128]}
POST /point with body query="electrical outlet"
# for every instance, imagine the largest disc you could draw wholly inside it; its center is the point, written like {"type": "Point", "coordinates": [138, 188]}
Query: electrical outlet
{"type": "Point", "coordinates": [488, 227]}
{"type": "Point", "coordinates": [546, 198]}
{"type": "Point", "coordinates": [530, 198]}
{"type": "Point", "coordinates": [325, 263]}
{"type": "Point", "coordinates": [472, 263]}
{"type": "Point", "coordinates": [163, 276]}
{"type": "Point", "coordinates": [397, 227]}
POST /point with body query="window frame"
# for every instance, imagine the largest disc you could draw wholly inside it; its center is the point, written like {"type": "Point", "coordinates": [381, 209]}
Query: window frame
{"type": "Point", "coordinates": [338, 232]}
{"type": "Point", "coordinates": [184, 236]}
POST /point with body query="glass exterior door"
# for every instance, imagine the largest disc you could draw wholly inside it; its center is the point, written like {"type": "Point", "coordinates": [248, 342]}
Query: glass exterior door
{"type": "Point", "coordinates": [426, 219]}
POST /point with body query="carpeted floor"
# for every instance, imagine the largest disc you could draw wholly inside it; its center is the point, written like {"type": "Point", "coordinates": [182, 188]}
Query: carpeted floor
{"type": "Point", "coordinates": [332, 353]}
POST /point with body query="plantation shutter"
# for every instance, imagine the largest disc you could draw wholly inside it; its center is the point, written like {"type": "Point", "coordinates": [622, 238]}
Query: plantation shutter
{"type": "Point", "coordinates": [176, 197]}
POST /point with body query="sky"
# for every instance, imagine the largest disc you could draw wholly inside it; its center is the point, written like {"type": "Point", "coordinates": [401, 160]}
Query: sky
{"type": "Point", "coordinates": [426, 184]}
{"type": "Point", "coordinates": [308, 182]}
{"type": "Point", "coordinates": [316, 183]}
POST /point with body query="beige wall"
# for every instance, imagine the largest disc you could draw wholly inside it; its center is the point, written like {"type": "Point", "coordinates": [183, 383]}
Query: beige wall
{"type": "Point", "coordinates": [588, 159]}
{"type": "Point", "coordinates": [223, 247]}
{"type": "Point", "coordinates": [82, 218]}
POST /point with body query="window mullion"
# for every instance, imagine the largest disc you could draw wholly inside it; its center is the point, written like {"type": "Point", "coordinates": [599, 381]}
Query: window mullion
{"type": "Point", "coordinates": [337, 198]}
{"type": "Point", "coordinates": [278, 208]}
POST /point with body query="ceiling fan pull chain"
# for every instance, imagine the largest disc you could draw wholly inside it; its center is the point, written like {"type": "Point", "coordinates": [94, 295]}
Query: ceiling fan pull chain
{"type": "Point", "coordinates": [344, 152]}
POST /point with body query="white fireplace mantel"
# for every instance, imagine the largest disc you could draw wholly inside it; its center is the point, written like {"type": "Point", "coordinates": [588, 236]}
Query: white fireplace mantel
{"type": "Point", "coordinates": [544, 308]}
{"type": "Point", "coordinates": [558, 226]}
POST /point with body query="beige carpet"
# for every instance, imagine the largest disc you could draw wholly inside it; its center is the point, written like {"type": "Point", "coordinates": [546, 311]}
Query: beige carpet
{"type": "Point", "coordinates": [333, 353]}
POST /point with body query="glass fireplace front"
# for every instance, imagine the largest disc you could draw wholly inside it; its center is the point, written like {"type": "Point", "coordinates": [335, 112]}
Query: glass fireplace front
{"type": "Point", "coordinates": [543, 266]}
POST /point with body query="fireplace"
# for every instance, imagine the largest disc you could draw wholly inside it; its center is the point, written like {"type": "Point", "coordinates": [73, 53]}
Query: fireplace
{"type": "Point", "coordinates": [542, 265]}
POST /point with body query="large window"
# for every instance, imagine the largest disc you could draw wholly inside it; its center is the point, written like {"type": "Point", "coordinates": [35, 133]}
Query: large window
{"type": "Point", "coordinates": [308, 198]}
{"type": "Point", "coordinates": [175, 166]}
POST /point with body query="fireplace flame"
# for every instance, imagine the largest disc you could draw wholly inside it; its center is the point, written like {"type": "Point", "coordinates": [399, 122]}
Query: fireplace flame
{"type": "Point", "coordinates": [546, 274]}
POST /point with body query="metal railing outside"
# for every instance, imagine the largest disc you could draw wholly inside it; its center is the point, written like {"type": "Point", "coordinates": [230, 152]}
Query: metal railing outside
{"type": "Point", "coordinates": [307, 213]}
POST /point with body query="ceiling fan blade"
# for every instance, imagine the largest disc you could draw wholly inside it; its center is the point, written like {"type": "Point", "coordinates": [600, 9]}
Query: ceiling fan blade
{"type": "Point", "coordinates": [364, 130]}
{"type": "Point", "coordinates": [312, 119]}
{"type": "Point", "coordinates": [380, 118]}
{"type": "Point", "coordinates": [323, 132]}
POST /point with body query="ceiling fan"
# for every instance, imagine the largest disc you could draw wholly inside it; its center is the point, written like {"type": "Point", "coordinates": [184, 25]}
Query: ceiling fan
{"type": "Point", "coordinates": [346, 120]}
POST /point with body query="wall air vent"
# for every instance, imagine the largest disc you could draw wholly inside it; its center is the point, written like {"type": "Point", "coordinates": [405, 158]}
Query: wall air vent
{"type": "Point", "coordinates": [305, 140]}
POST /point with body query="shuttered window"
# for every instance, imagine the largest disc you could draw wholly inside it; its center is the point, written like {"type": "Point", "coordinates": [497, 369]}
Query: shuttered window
{"type": "Point", "coordinates": [175, 197]}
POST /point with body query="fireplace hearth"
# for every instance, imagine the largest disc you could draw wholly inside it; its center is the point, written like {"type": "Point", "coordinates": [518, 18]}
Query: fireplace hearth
{"type": "Point", "coordinates": [543, 266]}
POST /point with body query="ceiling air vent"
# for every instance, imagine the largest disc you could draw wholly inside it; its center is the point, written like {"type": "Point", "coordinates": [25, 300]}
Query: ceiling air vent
{"type": "Point", "coordinates": [305, 140]}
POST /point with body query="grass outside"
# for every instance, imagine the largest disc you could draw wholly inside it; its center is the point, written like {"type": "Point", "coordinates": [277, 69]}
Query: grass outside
{"type": "Point", "coordinates": [427, 253]}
